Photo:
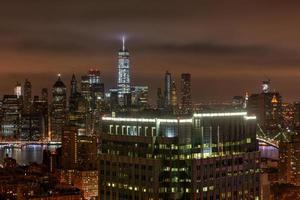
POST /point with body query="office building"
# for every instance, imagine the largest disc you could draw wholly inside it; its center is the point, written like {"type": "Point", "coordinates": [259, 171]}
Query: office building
{"type": "Point", "coordinates": [186, 94]}
{"type": "Point", "coordinates": [202, 156]}
{"type": "Point", "coordinates": [139, 96]}
{"type": "Point", "coordinates": [160, 104]}
{"type": "Point", "coordinates": [174, 104]}
{"type": "Point", "coordinates": [58, 109]}
{"type": "Point", "coordinates": [79, 161]}
{"type": "Point", "coordinates": [27, 97]}
{"type": "Point", "coordinates": [79, 151]}
{"type": "Point", "coordinates": [267, 106]}
{"type": "Point", "coordinates": [168, 87]}
{"type": "Point", "coordinates": [11, 119]}
{"type": "Point", "coordinates": [92, 90]}
{"type": "Point", "coordinates": [18, 90]}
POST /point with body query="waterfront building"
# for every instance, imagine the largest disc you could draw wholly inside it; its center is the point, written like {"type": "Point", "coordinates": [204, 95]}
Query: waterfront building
{"type": "Point", "coordinates": [35, 122]}
{"type": "Point", "coordinates": [11, 120]}
{"type": "Point", "coordinates": [203, 156]}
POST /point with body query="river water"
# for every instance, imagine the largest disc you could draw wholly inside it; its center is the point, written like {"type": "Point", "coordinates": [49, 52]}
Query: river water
{"type": "Point", "coordinates": [34, 153]}
{"type": "Point", "coordinates": [26, 154]}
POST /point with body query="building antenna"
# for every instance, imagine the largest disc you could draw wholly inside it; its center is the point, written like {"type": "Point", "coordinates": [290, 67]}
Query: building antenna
{"type": "Point", "coordinates": [123, 40]}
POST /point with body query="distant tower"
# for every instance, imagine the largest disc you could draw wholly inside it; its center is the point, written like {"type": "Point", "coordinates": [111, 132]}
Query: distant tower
{"type": "Point", "coordinates": [59, 105]}
{"type": "Point", "coordinates": [123, 83]}
{"type": "Point", "coordinates": [73, 85]}
{"type": "Point", "coordinates": [246, 100]}
{"type": "Point", "coordinates": [266, 86]}
{"type": "Point", "coordinates": [186, 97]}
{"type": "Point", "coordinates": [73, 94]}
{"type": "Point", "coordinates": [18, 90]}
{"type": "Point", "coordinates": [168, 85]}
{"type": "Point", "coordinates": [173, 95]}
{"type": "Point", "coordinates": [27, 96]}
{"type": "Point", "coordinates": [45, 95]}
{"type": "Point", "coordinates": [160, 99]}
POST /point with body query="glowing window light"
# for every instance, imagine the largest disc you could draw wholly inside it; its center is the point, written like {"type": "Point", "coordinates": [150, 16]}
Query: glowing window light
{"type": "Point", "coordinates": [119, 119]}
{"type": "Point", "coordinates": [220, 114]}
{"type": "Point", "coordinates": [167, 120]}
{"type": "Point", "coordinates": [250, 117]}
{"type": "Point", "coordinates": [123, 119]}
{"type": "Point", "coordinates": [185, 120]}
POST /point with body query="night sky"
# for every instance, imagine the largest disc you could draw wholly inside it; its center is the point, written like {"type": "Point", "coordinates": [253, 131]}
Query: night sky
{"type": "Point", "coordinates": [229, 47]}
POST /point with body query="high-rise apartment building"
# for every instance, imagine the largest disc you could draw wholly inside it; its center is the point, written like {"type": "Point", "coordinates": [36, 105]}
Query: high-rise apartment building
{"type": "Point", "coordinates": [204, 156]}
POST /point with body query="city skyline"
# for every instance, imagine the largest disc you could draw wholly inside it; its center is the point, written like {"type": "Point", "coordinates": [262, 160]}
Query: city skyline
{"type": "Point", "coordinates": [229, 47]}
{"type": "Point", "coordinates": [137, 100]}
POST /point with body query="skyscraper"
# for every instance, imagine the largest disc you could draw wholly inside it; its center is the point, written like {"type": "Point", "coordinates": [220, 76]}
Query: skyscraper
{"type": "Point", "coordinates": [140, 96]}
{"type": "Point", "coordinates": [45, 94]}
{"type": "Point", "coordinates": [123, 82]}
{"type": "Point", "coordinates": [11, 121]}
{"type": "Point", "coordinates": [35, 122]}
{"type": "Point", "coordinates": [59, 106]}
{"type": "Point", "coordinates": [18, 90]}
{"type": "Point", "coordinates": [160, 99]}
{"type": "Point", "coordinates": [74, 95]}
{"type": "Point", "coordinates": [27, 96]}
{"type": "Point", "coordinates": [186, 96]}
{"type": "Point", "coordinates": [267, 106]}
{"type": "Point", "coordinates": [92, 90]}
{"type": "Point", "coordinates": [44, 99]}
{"type": "Point", "coordinates": [168, 85]}
{"type": "Point", "coordinates": [73, 85]}
{"type": "Point", "coordinates": [174, 96]}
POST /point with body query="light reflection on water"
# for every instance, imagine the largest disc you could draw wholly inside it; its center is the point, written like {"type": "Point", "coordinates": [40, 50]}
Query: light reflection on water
{"type": "Point", "coordinates": [34, 153]}
{"type": "Point", "coordinates": [26, 154]}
